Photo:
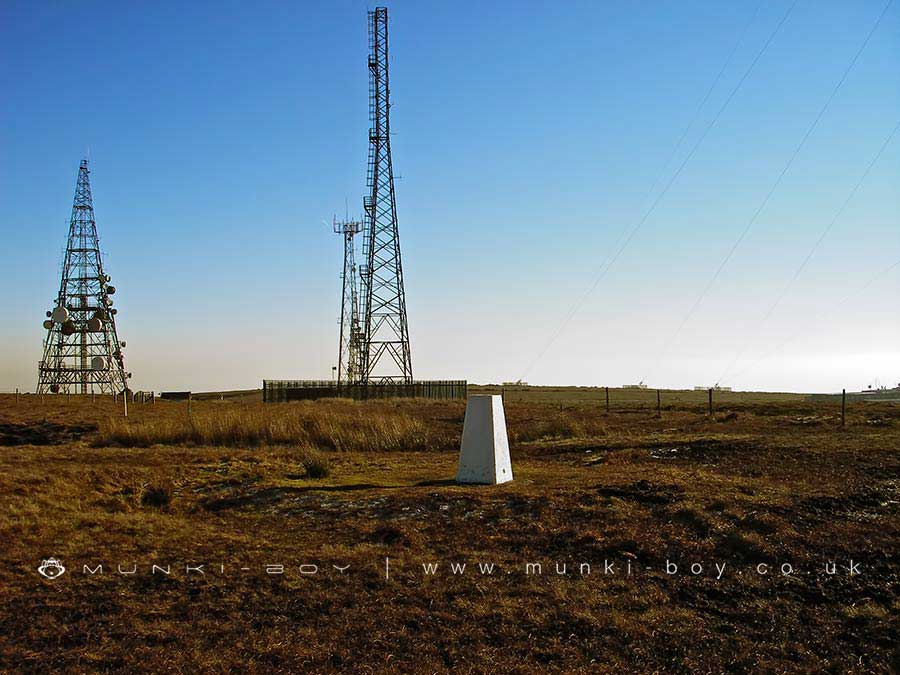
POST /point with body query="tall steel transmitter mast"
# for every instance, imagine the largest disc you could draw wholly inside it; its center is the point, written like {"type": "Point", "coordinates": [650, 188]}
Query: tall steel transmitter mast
{"type": "Point", "coordinates": [384, 354]}
{"type": "Point", "coordinates": [82, 352]}
{"type": "Point", "coordinates": [349, 345]}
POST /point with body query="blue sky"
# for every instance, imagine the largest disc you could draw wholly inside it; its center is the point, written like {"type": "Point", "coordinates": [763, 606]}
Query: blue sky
{"type": "Point", "coordinates": [528, 137]}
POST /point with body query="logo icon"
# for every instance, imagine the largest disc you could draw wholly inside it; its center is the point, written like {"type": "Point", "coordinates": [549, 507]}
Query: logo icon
{"type": "Point", "coordinates": [51, 568]}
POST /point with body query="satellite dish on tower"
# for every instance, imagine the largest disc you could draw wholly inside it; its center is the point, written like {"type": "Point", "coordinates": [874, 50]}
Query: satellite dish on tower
{"type": "Point", "coordinates": [79, 346]}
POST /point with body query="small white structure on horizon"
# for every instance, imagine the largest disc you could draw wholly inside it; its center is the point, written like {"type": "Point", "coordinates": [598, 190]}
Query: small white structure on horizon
{"type": "Point", "coordinates": [484, 454]}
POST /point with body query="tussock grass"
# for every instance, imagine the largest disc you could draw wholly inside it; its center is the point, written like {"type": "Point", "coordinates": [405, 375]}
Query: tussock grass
{"type": "Point", "coordinates": [316, 464]}
{"type": "Point", "coordinates": [557, 427]}
{"type": "Point", "coordinates": [341, 427]}
{"type": "Point", "coordinates": [157, 495]}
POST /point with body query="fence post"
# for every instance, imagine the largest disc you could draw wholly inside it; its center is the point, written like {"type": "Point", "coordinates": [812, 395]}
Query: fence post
{"type": "Point", "coordinates": [17, 395]}
{"type": "Point", "coordinates": [710, 401]}
{"type": "Point", "coordinates": [125, 403]}
{"type": "Point", "coordinates": [190, 397]}
{"type": "Point", "coordinates": [607, 399]}
{"type": "Point", "coordinates": [843, 407]}
{"type": "Point", "coordinates": [658, 404]}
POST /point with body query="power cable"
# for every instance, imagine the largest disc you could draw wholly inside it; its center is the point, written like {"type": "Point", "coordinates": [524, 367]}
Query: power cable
{"type": "Point", "coordinates": [812, 251]}
{"type": "Point", "coordinates": [794, 336]}
{"type": "Point", "coordinates": [769, 194]}
{"type": "Point", "coordinates": [659, 197]}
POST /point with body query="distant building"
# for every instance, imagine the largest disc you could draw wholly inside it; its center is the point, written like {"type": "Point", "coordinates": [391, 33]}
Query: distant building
{"type": "Point", "coordinates": [639, 385]}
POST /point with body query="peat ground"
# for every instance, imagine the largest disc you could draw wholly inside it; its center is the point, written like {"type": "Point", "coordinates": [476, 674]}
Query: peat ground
{"type": "Point", "coordinates": [761, 483]}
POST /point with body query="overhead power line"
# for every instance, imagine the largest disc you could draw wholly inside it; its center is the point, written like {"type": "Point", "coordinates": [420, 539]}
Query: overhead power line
{"type": "Point", "coordinates": [830, 310]}
{"type": "Point", "coordinates": [812, 251]}
{"type": "Point", "coordinates": [771, 191]}
{"type": "Point", "coordinates": [605, 269]}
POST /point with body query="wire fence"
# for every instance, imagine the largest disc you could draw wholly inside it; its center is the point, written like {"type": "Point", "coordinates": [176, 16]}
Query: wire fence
{"type": "Point", "coordinates": [280, 391]}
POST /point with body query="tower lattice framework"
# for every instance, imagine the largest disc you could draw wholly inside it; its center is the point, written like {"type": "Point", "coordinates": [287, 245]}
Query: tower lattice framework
{"type": "Point", "coordinates": [82, 352]}
{"type": "Point", "coordinates": [348, 350]}
{"type": "Point", "coordinates": [384, 354]}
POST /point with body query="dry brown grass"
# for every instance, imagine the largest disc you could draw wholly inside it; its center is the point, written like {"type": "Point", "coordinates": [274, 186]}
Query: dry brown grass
{"type": "Point", "coordinates": [316, 464]}
{"type": "Point", "coordinates": [757, 482]}
{"type": "Point", "coordinates": [332, 425]}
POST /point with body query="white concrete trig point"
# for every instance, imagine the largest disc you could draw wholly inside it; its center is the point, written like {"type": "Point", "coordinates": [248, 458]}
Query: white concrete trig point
{"type": "Point", "coordinates": [484, 454]}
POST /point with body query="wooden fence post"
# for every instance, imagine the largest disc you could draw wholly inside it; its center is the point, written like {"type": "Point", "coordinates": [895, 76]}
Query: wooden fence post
{"type": "Point", "coordinates": [710, 401]}
{"type": "Point", "coordinates": [607, 399]}
{"type": "Point", "coordinates": [658, 404]}
{"type": "Point", "coordinates": [843, 407]}
{"type": "Point", "coordinates": [17, 395]}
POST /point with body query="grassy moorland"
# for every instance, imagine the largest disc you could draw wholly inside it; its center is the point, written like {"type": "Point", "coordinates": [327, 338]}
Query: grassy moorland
{"type": "Point", "coordinates": [765, 480]}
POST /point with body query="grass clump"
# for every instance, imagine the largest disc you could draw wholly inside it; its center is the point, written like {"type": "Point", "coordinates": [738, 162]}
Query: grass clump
{"type": "Point", "coordinates": [156, 495]}
{"type": "Point", "coordinates": [560, 426]}
{"type": "Point", "coordinates": [329, 426]}
{"type": "Point", "coordinates": [316, 464]}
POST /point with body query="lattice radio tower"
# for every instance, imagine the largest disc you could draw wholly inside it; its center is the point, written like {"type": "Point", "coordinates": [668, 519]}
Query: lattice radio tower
{"type": "Point", "coordinates": [82, 352]}
{"type": "Point", "coordinates": [348, 350]}
{"type": "Point", "coordinates": [384, 350]}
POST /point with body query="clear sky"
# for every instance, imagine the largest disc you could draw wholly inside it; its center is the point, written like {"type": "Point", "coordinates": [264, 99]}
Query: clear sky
{"type": "Point", "coordinates": [528, 137]}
